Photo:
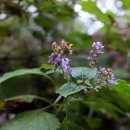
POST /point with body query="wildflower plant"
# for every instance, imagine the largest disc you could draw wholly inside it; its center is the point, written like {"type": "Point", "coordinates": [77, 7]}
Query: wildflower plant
{"type": "Point", "coordinates": [81, 80]}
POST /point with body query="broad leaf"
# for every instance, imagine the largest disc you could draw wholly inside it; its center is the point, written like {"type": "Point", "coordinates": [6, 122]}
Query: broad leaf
{"type": "Point", "coordinates": [27, 98]}
{"type": "Point", "coordinates": [33, 120]}
{"type": "Point", "coordinates": [69, 88]}
{"type": "Point", "coordinates": [84, 73]}
{"type": "Point", "coordinates": [20, 72]}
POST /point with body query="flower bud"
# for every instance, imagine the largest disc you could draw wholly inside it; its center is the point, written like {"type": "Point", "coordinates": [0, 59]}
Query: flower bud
{"type": "Point", "coordinates": [79, 81]}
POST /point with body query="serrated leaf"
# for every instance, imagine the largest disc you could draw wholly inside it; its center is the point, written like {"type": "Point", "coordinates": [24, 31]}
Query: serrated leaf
{"type": "Point", "coordinates": [69, 88]}
{"type": "Point", "coordinates": [33, 120]}
{"type": "Point", "coordinates": [84, 73]}
{"type": "Point", "coordinates": [21, 72]}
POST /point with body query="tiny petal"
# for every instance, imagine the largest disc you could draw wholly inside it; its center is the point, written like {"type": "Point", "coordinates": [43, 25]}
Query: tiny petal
{"type": "Point", "coordinates": [91, 54]}
{"type": "Point", "coordinates": [57, 60]}
{"type": "Point", "coordinates": [69, 70]}
{"type": "Point", "coordinates": [98, 47]}
{"type": "Point", "coordinates": [112, 80]}
{"type": "Point", "coordinates": [102, 72]}
{"type": "Point", "coordinates": [65, 62]}
{"type": "Point", "coordinates": [51, 57]}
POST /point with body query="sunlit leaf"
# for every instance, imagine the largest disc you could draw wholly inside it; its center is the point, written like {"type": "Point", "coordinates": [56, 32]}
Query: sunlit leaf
{"type": "Point", "coordinates": [126, 4]}
{"type": "Point", "coordinates": [90, 7]}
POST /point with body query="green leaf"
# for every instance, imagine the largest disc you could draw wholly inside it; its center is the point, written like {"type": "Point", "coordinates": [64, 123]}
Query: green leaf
{"type": "Point", "coordinates": [90, 6]}
{"type": "Point", "coordinates": [69, 88]}
{"type": "Point", "coordinates": [126, 4]}
{"type": "Point", "coordinates": [33, 120]}
{"type": "Point", "coordinates": [123, 89]}
{"type": "Point", "coordinates": [21, 72]}
{"type": "Point", "coordinates": [27, 98]}
{"type": "Point", "coordinates": [84, 73]}
{"type": "Point", "coordinates": [104, 107]}
{"type": "Point", "coordinates": [46, 66]}
{"type": "Point", "coordinates": [2, 104]}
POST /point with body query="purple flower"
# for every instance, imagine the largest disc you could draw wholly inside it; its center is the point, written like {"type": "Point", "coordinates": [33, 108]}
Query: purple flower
{"type": "Point", "coordinates": [65, 62]}
{"type": "Point", "coordinates": [57, 60]}
{"type": "Point", "coordinates": [98, 47]}
{"type": "Point", "coordinates": [107, 76]}
{"type": "Point", "coordinates": [51, 57]}
{"type": "Point", "coordinates": [112, 80]}
{"type": "Point", "coordinates": [91, 54]}
{"type": "Point", "coordinates": [69, 70]}
{"type": "Point", "coordinates": [102, 73]}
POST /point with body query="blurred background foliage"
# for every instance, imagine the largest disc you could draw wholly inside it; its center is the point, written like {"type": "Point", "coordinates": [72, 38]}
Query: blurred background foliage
{"type": "Point", "coordinates": [27, 29]}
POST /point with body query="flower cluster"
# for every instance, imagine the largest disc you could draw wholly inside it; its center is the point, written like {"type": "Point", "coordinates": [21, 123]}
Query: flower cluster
{"type": "Point", "coordinates": [97, 49]}
{"type": "Point", "coordinates": [59, 60]}
{"type": "Point", "coordinates": [62, 47]}
{"type": "Point", "coordinates": [57, 57]}
{"type": "Point", "coordinates": [107, 76]}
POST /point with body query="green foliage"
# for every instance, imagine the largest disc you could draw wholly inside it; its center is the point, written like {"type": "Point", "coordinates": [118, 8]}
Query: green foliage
{"type": "Point", "coordinates": [126, 4]}
{"type": "Point", "coordinates": [123, 89]}
{"type": "Point", "coordinates": [84, 73]}
{"type": "Point", "coordinates": [2, 104]}
{"type": "Point", "coordinates": [46, 67]}
{"type": "Point", "coordinates": [27, 98]}
{"type": "Point", "coordinates": [21, 72]}
{"type": "Point", "coordinates": [69, 89]}
{"type": "Point", "coordinates": [32, 120]}
{"type": "Point", "coordinates": [90, 6]}
{"type": "Point", "coordinates": [26, 30]}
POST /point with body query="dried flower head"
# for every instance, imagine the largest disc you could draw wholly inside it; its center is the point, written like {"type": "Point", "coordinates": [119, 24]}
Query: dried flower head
{"type": "Point", "coordinates": [62, 48]}
{"type": "Point", "coordinates": [66, 48]}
